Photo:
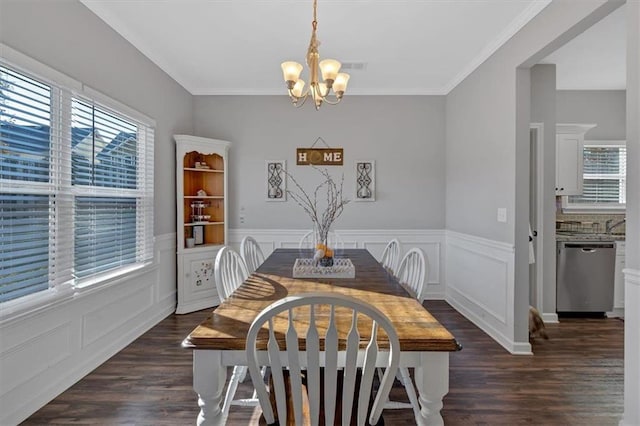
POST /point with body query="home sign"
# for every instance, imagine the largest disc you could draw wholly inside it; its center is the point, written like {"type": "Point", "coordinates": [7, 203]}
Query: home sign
{"type": "Point", "coordinates": [319, 156]}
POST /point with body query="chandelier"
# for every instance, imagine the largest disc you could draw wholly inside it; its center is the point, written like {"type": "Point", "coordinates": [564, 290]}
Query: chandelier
{"type": "Point", "coordinates": [318, 90]}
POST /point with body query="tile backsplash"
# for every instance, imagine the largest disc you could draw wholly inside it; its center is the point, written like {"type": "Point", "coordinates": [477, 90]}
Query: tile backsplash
{"type": "Point", "coordinates": [592, 223]}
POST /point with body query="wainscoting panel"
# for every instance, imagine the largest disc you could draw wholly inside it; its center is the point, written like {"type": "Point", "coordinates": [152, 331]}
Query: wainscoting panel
{"type": "Point", "coordinates": [48, 349]}
{"type": "Point", "coordinates": [166, 277]}
{"type": "Point", "coordinates": [56, 340]}
{"type": "Point", "coordinates": [431, 241]}
{"type": "Point", "coordinates": [99, 323]}
{"type": "Point", "coordinates": [480, 285]}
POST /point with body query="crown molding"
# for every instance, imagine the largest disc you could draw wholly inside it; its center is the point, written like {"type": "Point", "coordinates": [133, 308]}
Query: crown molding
{"type": "Point", "coordinates": [516, 25]}
{"type": "Point", "coordinates": [282, 91]}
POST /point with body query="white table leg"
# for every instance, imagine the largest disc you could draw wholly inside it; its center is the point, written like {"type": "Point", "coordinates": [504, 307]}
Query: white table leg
{"type": "Point", "coordinates": [432, 381]}
{"type": "Point", "coordinates": [209, 376]}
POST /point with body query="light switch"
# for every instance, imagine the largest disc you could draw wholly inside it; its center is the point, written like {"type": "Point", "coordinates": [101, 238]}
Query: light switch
{"type": "Point", "coordinates": [502, 215]}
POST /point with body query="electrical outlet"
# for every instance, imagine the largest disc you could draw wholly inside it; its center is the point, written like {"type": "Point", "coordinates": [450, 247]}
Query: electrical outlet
{"type": "Point", "coordinates": [502, 215]}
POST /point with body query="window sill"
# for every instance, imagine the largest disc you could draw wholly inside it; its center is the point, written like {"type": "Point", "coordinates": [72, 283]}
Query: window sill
{"type": "Point", "coordinates": [33, 303]}
{"type": "Point", "coordinates": [112, 278]}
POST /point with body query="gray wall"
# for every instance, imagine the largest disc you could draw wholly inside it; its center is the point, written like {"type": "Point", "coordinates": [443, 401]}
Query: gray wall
{"type": "Point", "coordinates": [403, 134]}
{"type": "Point", "coordinates": [66, 36]}
{"type": "Point", "coordinates": [484, 169]}
{"type": "Point", "coordinates": [543, 110]}
{"type": "Point", "coordinates": [481, 124]}
{"type": "Point", "coordinates": [606, 108]}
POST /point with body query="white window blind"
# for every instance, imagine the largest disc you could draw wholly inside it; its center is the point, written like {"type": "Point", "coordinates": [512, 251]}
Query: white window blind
{"type": "Point", "coordinates": [24, 257]}
{"type": "Point", "coordinates": [604, 177]}
{"type": "Point", "coordinates": [76, 187]}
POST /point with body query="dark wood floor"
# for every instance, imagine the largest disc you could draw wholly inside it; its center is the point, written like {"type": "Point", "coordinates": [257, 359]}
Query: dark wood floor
{"type": "Point", "coordinates": [575, 378]}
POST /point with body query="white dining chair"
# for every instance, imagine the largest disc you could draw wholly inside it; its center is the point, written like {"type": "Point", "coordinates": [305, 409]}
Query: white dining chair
{"type": "Point", "coordinates": [230, 272]}
{"type": "Point", "coordinates": [308, 241]}
{"type": "Point", "coordinates": [308, 307]}
{"type": "Point", "coordinates": [391, 256]}
{"type": "Point", "coordinates": [251, 254]}
{"type": "Point", "coordinates": [411, 273]}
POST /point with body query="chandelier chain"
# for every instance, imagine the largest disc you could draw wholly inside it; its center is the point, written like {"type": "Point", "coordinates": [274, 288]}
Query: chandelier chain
{"type": "Point", "coordinates": [318, 89]}
{"type": "Point", "coordinates": [315, 17]}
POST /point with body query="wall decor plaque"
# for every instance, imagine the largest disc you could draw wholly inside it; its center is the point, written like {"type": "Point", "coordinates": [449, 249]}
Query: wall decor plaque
{"type": "Point", "coordinates": [320, 156]}
{"type": "Point", "coordinates": [365, 180]}
{"type": "Point", "coordinates": [276, 180]}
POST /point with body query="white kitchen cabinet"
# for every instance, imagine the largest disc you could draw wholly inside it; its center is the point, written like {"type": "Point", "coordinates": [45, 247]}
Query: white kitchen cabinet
{"type": "Point", "coordinates": [618, 286]}
{"type": "Point", "coordinates": [569, 158]}
{"type": "Point", "coordinates": [201, 218]}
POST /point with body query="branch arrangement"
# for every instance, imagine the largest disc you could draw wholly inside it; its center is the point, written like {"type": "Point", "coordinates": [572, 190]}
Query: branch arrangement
{"type": "Point", "coordinates": [335, 203]}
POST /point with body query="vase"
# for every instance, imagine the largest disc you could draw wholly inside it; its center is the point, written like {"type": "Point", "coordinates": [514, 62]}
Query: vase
{"type": "Point", "coordinates": [326, 261]}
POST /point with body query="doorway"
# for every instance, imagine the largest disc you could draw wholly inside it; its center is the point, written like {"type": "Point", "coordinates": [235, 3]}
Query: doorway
{"type": "Point", "coordinates": [536, 213]}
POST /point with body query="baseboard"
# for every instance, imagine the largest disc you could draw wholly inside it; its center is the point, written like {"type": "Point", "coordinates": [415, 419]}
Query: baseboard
{"type": "Point", "coordinates": [550, 318]}
{"type": "Point", "coordinates": [435, 296]}
{"type": "Point", "coordinates": [197, 305]}
{"type": "Point", "coordinates": [616, 313]}
{"type": "Point", "coordinates": [515, 348]}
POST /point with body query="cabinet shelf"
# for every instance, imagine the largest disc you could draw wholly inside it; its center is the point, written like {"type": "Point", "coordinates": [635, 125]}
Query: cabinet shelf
{"type": "Point", "coordinates": [193, 169]}
{"type": "Point", "coordinates": [207, 197]}
{"type": "Point", "coordinates": [201, 247]}
{"type": "Point", "coordinates": [203, 223]}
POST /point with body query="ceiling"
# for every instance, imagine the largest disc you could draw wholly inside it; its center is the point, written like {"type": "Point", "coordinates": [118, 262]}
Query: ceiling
{"type": "Point", "coordinates": [235, 47]}
{"type": "Point", "coordinates": [596, 59]}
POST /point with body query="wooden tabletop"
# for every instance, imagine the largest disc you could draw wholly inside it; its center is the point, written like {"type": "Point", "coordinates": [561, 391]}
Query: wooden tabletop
{"type": "Point", "coordinates": [227, 326]}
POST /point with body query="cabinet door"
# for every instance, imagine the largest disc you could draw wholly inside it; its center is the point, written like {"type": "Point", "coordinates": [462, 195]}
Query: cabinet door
{"type": "Point", "coordinates": [569, 165]}
{"type": "Point", "coordinates": [196, 284]}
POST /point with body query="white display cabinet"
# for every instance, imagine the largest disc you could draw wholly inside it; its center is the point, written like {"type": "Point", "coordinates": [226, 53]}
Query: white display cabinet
{"type": "Point", "coordinates": [201, 228]}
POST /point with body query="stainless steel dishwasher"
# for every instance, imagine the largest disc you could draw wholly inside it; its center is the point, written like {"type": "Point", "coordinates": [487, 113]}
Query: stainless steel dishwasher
{"type": "Point", "coordinates": [585, 276]}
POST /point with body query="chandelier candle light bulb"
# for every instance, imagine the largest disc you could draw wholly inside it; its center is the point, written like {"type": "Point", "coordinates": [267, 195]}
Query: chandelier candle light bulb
{"type": "Point", "coordinates": [329, 68]}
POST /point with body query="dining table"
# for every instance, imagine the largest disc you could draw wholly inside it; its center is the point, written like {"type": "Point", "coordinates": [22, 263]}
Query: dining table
{"type": "Point", "coordinates": [219, 341]}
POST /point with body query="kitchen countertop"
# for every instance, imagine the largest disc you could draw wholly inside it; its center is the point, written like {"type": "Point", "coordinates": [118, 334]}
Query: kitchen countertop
{"type": "Point", "coordinates": [582, 236]}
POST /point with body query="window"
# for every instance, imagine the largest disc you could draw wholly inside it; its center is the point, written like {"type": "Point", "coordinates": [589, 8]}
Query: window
{"type": "Point", "coordinates": [604, 177]}
{"type": "Point", "coordinates": [76, 187]}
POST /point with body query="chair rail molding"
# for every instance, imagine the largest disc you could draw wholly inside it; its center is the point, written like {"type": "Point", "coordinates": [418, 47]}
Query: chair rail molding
{"type": "Point", "coordinates": [431, 241]}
